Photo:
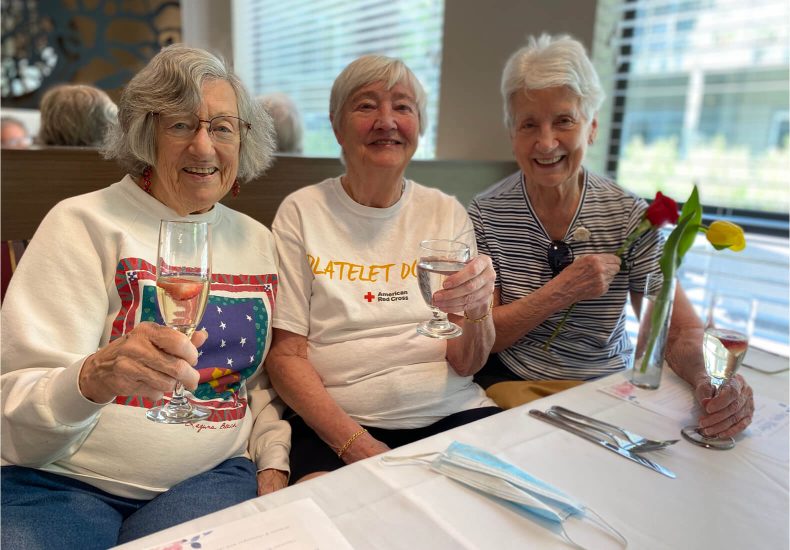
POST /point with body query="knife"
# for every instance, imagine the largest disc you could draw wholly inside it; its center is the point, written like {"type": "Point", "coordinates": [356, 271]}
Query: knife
{"type": "Point", "coordinates": [647, 463]}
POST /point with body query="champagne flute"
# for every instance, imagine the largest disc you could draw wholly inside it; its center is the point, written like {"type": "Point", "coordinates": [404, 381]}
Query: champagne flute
{"type": "Point", "coordinates": [439, 258]}
{"type": "Point", "coordinates": [730, 321]}
{"type": "Point", "coordinates": [183, 274]}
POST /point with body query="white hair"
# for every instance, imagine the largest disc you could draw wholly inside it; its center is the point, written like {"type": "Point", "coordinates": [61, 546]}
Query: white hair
{"type": "Point", "coordinates": [548, 62]}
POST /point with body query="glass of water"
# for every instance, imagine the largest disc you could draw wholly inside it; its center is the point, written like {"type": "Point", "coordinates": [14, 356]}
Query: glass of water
{"type": "Point", "coordinates": [439, 258]}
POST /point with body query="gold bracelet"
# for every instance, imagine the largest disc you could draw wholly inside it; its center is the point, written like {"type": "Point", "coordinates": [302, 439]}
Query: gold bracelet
{"type": "Point", "coordinates": [484, 317]}
{"type": "Point", "coordinates": [348, 443]}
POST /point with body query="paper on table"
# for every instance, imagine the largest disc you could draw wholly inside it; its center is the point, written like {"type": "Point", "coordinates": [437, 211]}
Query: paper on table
{"type": "Point", "coordinates": [674, 399]}
{"type": "Point", "coordinates": [283, 528]}
{"type": "Point", "coordinates": [767, 434]}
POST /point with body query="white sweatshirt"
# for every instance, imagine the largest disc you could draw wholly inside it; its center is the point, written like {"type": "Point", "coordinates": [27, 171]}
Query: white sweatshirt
{"type": "Point", "coordinates": [88, 277]}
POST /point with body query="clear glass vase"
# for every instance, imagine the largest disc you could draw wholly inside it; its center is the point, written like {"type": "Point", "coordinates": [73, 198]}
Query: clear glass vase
{"type": "Point", "coordinates": [654, 315]}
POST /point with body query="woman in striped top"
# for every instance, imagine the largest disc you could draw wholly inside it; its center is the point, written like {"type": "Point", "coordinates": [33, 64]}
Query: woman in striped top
{"type": "Point", "coordinates": [551, 229]}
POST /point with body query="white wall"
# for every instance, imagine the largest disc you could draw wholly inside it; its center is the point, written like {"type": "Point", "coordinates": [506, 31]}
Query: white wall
{"type": "Point", "coordinates": [31, 118]}
{"type": "Point", "coordinates": [207, 24]}
{"type": "Point", "coordinates": [478, 39]}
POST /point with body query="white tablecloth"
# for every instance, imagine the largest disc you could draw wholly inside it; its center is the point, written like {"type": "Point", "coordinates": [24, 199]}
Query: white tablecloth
{"type": "Point", "coordinates": [734, 499]}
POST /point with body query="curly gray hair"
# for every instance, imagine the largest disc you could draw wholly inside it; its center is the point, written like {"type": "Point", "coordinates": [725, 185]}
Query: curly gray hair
{"type": "Point", "coordinates": [550, 61]}
{"type": "Point", "coordinates": [172, 82]}
{"type": "Point", "coordinates": [76, 115]}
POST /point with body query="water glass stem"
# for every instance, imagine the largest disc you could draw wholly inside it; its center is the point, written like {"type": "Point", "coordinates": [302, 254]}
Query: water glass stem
{"type": "Point", "coordinates": [178, 399]}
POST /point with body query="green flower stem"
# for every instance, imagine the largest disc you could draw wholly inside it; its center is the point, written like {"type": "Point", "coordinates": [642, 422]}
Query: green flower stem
{"type": "Point", "coordinates": [678, 243]}
{"type": "Point", "coordinates": [643, 227]}
{"type": "Point", "coordinates": [659, 314]}
{"type": "Point", "coordinates": [558, 328]}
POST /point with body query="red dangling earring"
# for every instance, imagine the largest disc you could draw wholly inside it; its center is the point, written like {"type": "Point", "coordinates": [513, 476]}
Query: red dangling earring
{"type": "Point", "coordinates": [236, 188]}
{"type": "Point", "coordinates": [147, 179]}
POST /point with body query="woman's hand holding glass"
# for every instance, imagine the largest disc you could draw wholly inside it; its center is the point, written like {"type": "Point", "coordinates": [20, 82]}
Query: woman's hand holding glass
{"type": "Point", "coordinates": [728, 411]}
{"type": "Point", "coordinates": [146, 361]}
{"type": "Point", "coordinates": [726, 397]}
{"type": "Point", "coordinates": [469, 290]}
{"type": "Point", "coordinates": [439, 259]}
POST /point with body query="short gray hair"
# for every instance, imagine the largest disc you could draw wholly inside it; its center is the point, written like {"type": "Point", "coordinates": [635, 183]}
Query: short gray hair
{"type": "Point", "coordinates": [375, 68]}
{"type": "Point", "coordinates": [551, 61]}
{"type": "Point", "coordinates": [76, 115]}
{"type": "Point", "coordinates": [172, 82]}
{"type": "Point", "coordinates": [287, 121]}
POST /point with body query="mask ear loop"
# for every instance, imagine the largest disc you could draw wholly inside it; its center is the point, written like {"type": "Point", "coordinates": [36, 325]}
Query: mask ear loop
{"type": "Point", "coordinates": [594, 517]}
{"type": "Point", "coordinates": [404, 460]}
{"type": "Point", "coordinates": [598, 521]}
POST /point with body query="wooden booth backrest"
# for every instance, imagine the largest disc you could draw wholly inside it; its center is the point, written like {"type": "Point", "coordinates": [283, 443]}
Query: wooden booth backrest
{"type": "Point", "coordinates": [34, 180]}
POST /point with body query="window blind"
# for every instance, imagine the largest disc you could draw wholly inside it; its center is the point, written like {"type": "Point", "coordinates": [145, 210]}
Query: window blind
{"type": "Point", "coordinates": [299, 47]}
{"type": "Point", "coordinates": [700, 95]}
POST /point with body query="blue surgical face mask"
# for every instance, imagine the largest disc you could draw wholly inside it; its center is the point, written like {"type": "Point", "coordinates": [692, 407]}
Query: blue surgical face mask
{"type": "Point", "coordinates": [488, 474]}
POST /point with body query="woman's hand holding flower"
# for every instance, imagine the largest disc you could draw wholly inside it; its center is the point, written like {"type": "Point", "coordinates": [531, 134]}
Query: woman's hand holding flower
{"type": "Point", "coordinates": [146, 361]}
{"type": "Point", "coordinates": [588, 277]}
{"type": "Point", "coordinates": [469, 290]}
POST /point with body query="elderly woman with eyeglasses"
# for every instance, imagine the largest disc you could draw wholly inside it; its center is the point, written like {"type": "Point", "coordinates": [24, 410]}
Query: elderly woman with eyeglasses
{"type": "Point", "coordinates": [551, 230]}
{"type": "Point", "coordinates": [82, 360]}
{"type": "Point", "coordinates": [346, 355]}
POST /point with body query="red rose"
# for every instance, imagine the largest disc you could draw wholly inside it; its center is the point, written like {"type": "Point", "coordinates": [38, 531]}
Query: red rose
{"type": "Point", "coordinates": [662, 210]}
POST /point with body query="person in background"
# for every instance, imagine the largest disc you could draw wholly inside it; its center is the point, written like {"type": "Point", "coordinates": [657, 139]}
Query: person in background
{"type": "Point", "coordinates": [288, 127]}
{"type": "Point", "coordinates": [13, 134]}
{"type": "Point", "coordinates": [84, 350]}
{"type": "Point", "coordinates": [551, 230]}
{"type": "Point", "coordinates": [346, 356]}
{"type": "Point", "coordinates": [76, 115]}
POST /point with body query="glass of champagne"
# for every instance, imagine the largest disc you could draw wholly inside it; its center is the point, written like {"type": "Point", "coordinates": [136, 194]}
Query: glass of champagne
{"type": "Point", "coordinates": [439, 258]}
{"type": "Point", "coordinates": [183, 275]}
{"type": "Point", "coordinates": [729, 324]}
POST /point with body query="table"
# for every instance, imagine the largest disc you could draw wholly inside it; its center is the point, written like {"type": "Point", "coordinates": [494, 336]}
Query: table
{"type": "Point", "coordinates": [721, 499]}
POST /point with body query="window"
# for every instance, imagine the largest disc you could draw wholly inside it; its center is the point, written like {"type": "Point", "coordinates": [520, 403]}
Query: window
{"type": "Point", "coordinates": [699, 92]}
{"type": "Point", "coordinates": [700, 96]}
{"type": "Point", "coordinates": [299, 47]}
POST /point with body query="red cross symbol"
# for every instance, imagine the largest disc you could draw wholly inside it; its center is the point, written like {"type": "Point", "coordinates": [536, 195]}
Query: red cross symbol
{"type": "Point", "coordinates": [369, 297]}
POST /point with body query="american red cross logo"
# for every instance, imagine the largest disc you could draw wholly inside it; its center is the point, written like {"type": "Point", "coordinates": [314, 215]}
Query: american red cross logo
{"type": "Point", "coordinates": [369, 297]}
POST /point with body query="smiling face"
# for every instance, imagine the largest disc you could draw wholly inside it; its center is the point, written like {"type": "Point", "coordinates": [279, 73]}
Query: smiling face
{"type": "Point", "coordinates": [192, 174]}
{"type": "Point", "coordinates": [550, 136]}
{"type": "Point", "coordinates": [379, 127]}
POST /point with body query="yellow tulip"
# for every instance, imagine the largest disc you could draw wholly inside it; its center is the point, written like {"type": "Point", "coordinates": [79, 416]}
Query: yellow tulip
{"type": "Point", "coordinates": [723, 234]}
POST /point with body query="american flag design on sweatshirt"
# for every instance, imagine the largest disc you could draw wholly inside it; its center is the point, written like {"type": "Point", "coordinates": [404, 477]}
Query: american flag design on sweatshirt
{"type": "Point", "coordinates": [237, 327]}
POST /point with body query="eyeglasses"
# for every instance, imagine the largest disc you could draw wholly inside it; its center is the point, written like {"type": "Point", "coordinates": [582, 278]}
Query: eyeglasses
{"type": "Point", "coordinates": [222, 129]}
{"type": "Point", "coordinates": [559, 256]}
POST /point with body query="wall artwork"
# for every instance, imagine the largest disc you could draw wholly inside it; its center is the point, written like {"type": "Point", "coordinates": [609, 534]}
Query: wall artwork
{"type": "Point", "coordinates": [98, 42]}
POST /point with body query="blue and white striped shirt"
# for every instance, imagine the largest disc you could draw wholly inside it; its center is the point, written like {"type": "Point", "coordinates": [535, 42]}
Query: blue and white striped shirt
{"type": "Point", "coordinates": [593, 342]}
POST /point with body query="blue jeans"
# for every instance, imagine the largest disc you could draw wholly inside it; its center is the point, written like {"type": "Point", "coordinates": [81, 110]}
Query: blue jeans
{"type": "Point", "coordinates": [44, 510]}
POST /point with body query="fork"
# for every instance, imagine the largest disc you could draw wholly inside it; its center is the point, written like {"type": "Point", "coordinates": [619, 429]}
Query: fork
{"type": "Point", "coordinates": [612, 438]}
{"type": "Point", "coordinates": [635, 442]}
